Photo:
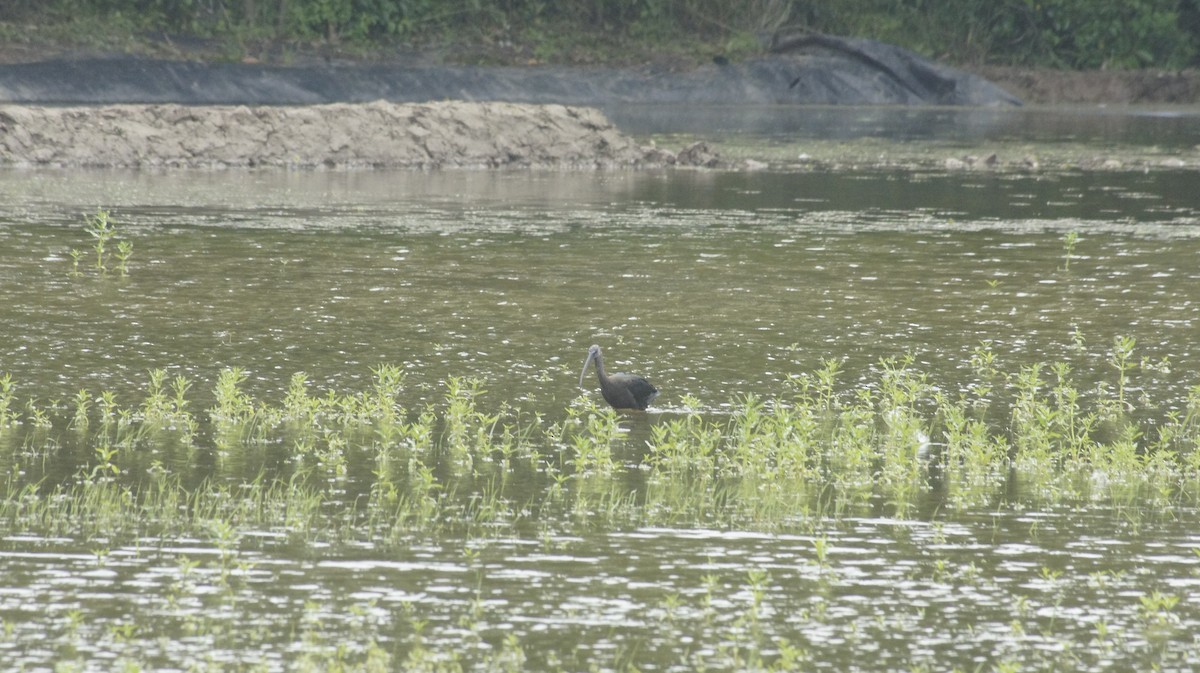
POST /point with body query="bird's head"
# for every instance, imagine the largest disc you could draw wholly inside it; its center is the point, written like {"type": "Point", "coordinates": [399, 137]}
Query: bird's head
{"type": "Point", "coordinates": [593, 354]}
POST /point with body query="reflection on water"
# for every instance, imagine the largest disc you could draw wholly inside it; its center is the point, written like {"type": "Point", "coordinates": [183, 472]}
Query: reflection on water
{"type": "Point", "coordinates": [1095, 125]}
{"type": "Point", "coordinates": [1016, 139]}
{"type": "Point", "coordinates": [714, 285]}
{"type": "Point", "coordinates": [1049, 591]}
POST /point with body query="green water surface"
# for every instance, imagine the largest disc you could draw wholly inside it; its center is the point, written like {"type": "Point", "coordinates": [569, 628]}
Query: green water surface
{"type": "Point", "coordinates": [714, 285]}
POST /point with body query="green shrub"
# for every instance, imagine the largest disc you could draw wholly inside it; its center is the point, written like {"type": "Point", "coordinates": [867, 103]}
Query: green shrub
{"type": "Point", "coordinates": [1058, 33]}
{"type": "Point", "coordinates": [1089, 34]}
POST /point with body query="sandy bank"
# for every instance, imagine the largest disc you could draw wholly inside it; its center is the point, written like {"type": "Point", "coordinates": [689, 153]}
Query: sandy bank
{"type": "Point", "coordinates": [379, 134]}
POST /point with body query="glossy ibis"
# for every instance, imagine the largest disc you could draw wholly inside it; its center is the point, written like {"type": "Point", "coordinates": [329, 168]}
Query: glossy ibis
{"type": "Point", "coordinates": [622, 391]}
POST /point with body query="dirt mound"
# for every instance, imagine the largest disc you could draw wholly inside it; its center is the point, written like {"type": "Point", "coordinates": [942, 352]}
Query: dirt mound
{"type": "Point", "coordinates": [380, 134]}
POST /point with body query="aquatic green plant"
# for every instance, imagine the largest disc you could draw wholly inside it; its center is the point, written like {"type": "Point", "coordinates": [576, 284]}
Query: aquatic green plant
{"type": "Point", "coordinates": [6, 401]}
{"type": "Point", "coordinates": [103, 232]}
{"type": "Point", "coordinates": [76, 255]}
{"type": "Point", "coordinates": [974, 458]}
{"type": "Point", "coordinates": [1156, 611]}
{"type": "Point", "coordinates": [593, 448]}
{"type": "Point", "coordinates": [468, 433]}
{"type": "Point", "coordinates": [124, 252]}
{"type": "Point", "coordinates": [821, 449]}
{"type": "Point", "coordinates": [821, 547]}
{"type": "Point", "coordinates": [235, 416]}
{"type": "Point", "coordinates": [684, 446]}
{"type": "Point", "coordinates": [83, 403]}
{"type": "Point", "coordinates": [1069, 243]}
{"type": "Point", "coordinates": [1121, 360]}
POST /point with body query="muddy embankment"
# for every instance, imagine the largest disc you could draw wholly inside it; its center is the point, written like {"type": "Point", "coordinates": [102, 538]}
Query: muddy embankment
{"type": "Point", "coordinates": [145, 113]}
{"type": "Point", "coordinates": [341, 135]}
{"type": "Point", "coordinates": [237, 115]}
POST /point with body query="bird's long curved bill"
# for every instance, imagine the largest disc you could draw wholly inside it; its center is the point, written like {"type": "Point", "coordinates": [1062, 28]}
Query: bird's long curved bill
{"type": "Point", "coordinates": [586, 362]}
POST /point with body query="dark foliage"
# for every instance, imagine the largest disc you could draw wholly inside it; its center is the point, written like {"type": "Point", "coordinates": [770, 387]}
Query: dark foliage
{"type": "Point", "coordinates": [1059, 33]}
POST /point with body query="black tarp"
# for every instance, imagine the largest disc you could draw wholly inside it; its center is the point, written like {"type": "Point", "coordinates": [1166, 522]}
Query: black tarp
{"type": "Point", "coordinates": [811, 69]}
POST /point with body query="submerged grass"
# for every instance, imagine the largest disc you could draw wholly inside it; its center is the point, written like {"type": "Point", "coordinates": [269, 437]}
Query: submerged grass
{"type": "Point", "coordinates": [361, 465]}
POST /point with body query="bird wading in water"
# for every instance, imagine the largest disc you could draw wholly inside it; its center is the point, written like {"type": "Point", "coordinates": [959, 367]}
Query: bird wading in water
{"type": "Point", "coordinates": [622, 391]}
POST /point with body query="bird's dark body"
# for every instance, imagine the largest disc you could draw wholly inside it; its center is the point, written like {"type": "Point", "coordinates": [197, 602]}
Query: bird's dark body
{"type": "Point", "coordinates": [626, 391]}
{"type": "Point", "coordinates": [622, 391]}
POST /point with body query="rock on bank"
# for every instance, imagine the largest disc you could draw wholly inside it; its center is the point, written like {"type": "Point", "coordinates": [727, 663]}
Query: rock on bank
{"type": "Point", "coordinates": [343, 135]}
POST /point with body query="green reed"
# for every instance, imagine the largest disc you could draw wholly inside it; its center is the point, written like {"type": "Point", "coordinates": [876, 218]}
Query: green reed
{"type": "Point", "coordinates": [123, 253]}
{"type": "Point", "coordinates": [103, 232]}
{"type": "Point", "coordinates": [1069, 243]}
{"type": "Point", "coordinates": [684, 447]}
{"type": "Point", "coordinates": [82, 406]}
{"type": "Point", "coordinates": [975, 458]}
{"type": "Point", "coordinates": [77, 256]}
{"type": "Point", "coordinates": [819, 449]}
{"type": "Point", "coordinates": [7, 397]}
{"type": "Point", "coordinates": [1121, 359]}
{"type": "Point", "coordinates": [233, 406]}
{"type": "Point", "coordinates": [593, 445]}
{"type": "Point", "coordinates": [98, 506]}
